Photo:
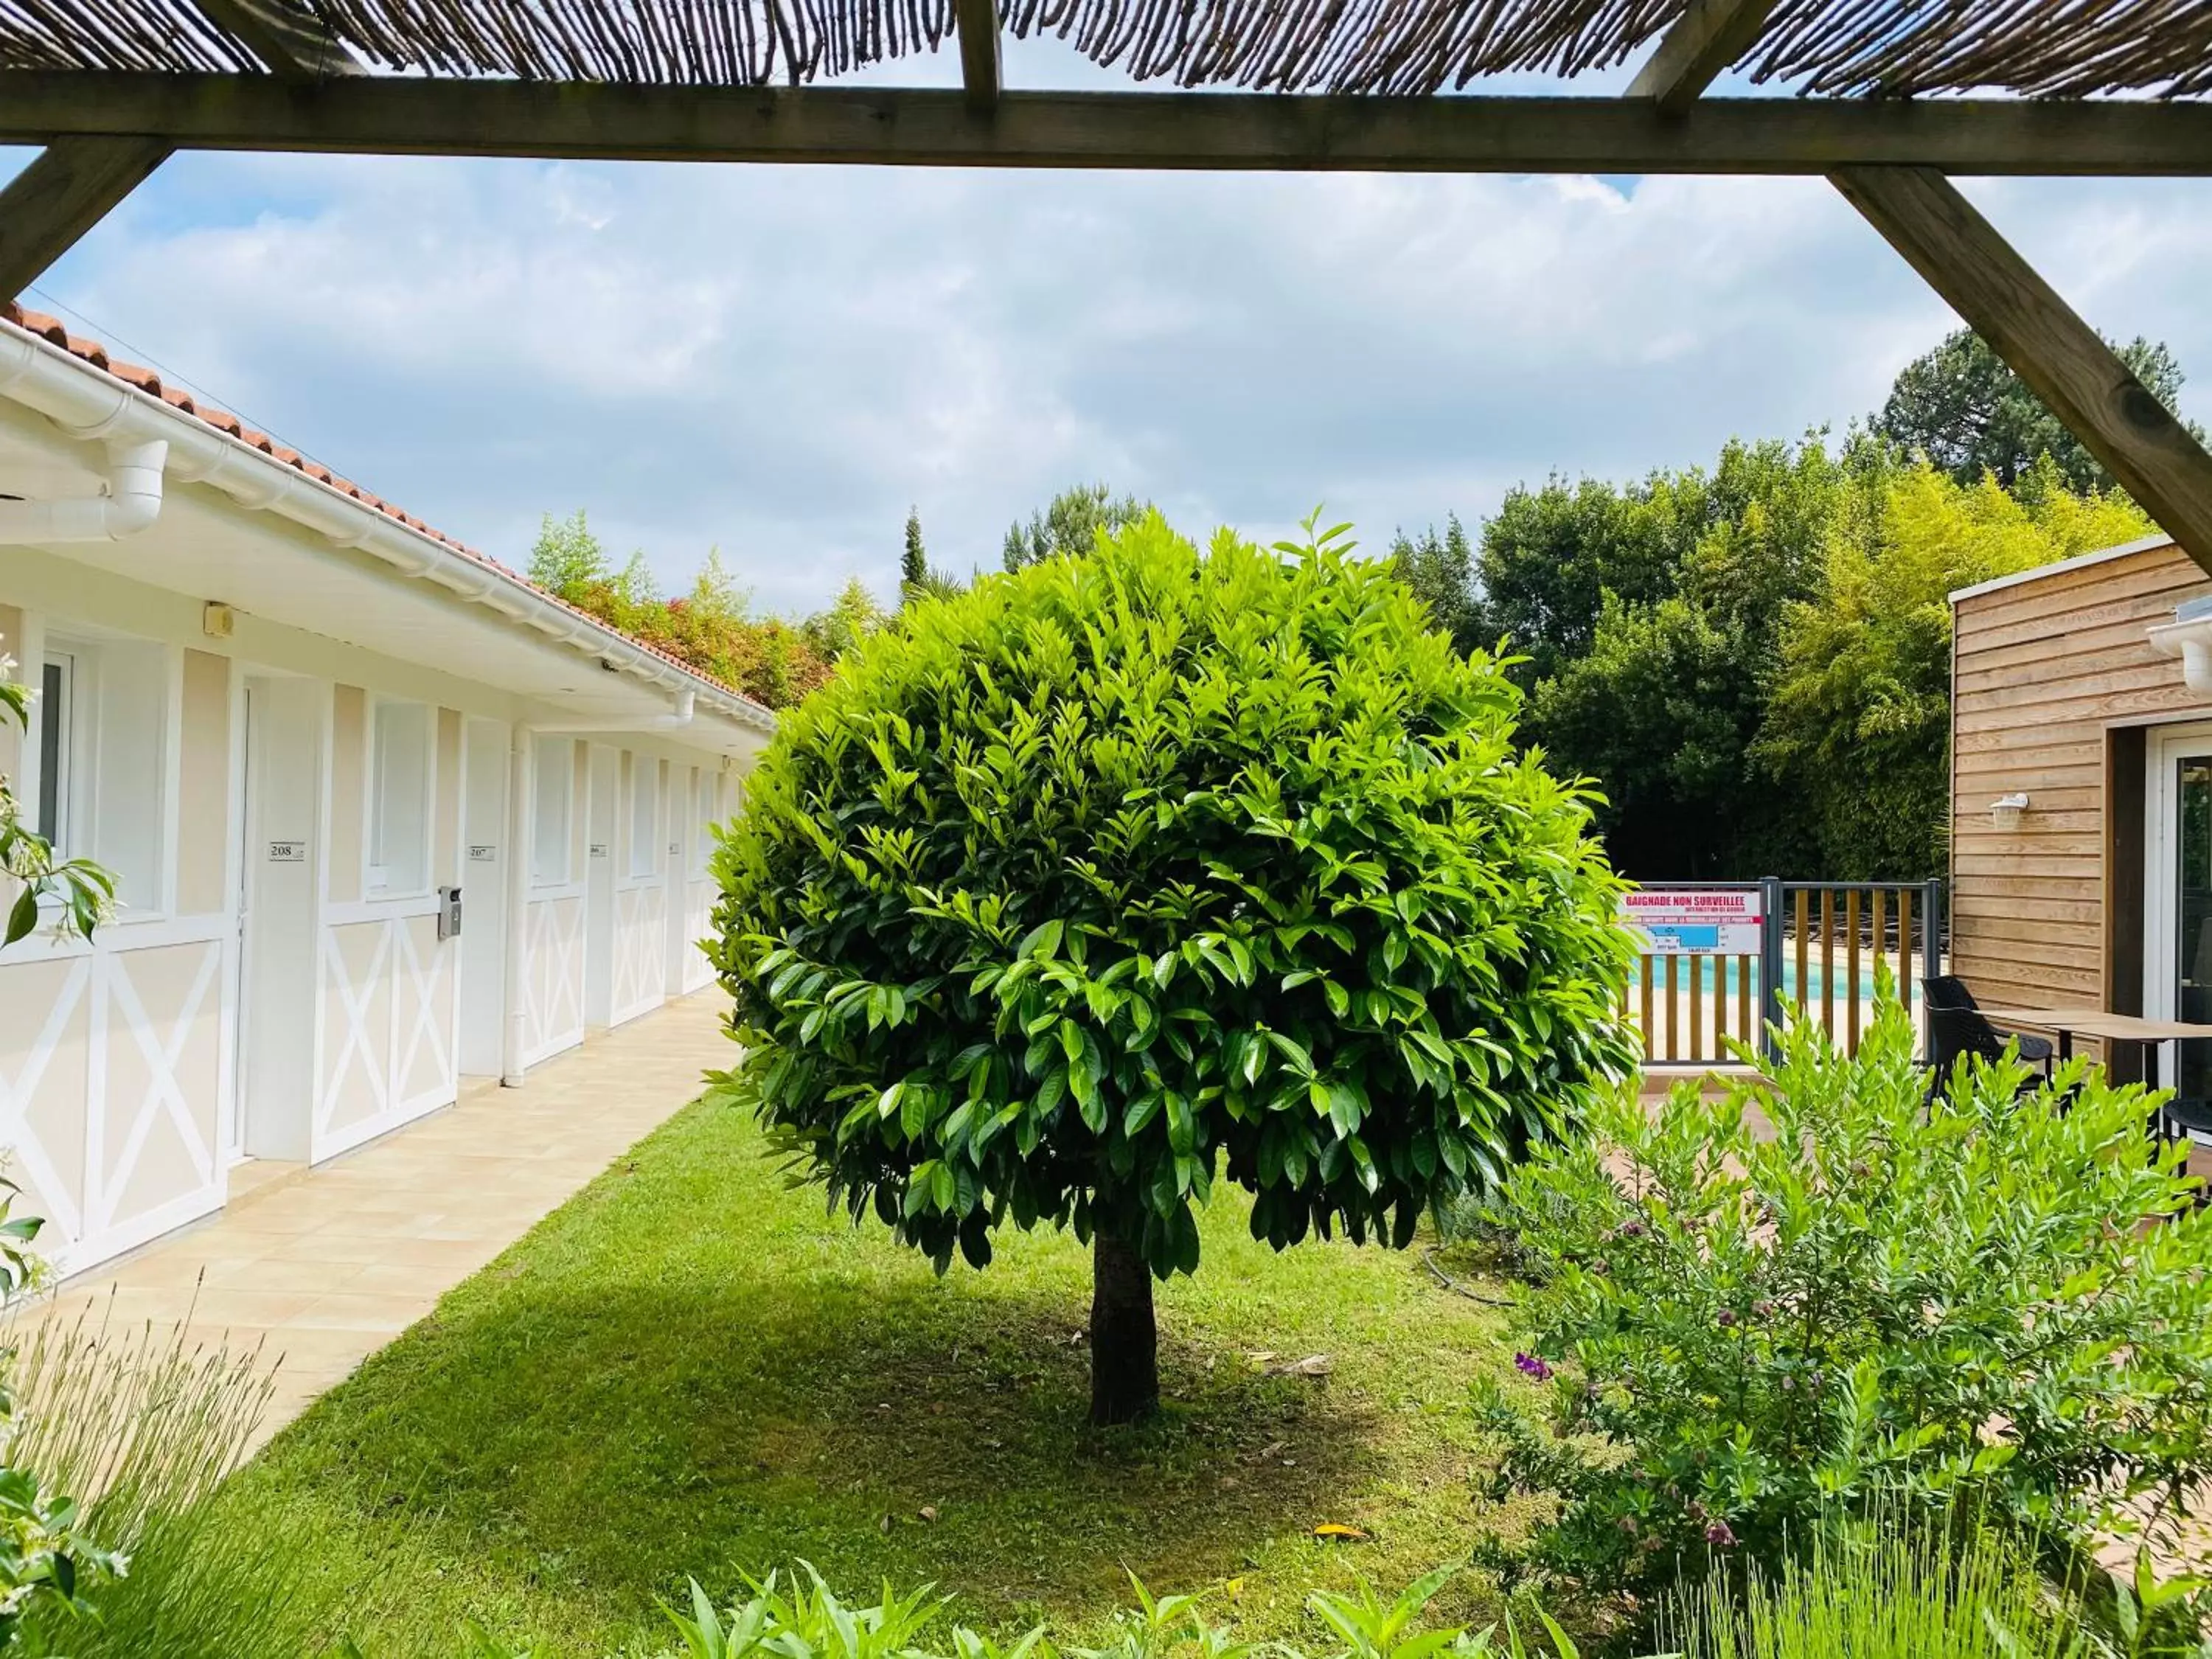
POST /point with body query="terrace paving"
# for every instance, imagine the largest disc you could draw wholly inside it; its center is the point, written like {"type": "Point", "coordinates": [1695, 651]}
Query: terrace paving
{"type": "Point", "coordinates": [319, 1268]}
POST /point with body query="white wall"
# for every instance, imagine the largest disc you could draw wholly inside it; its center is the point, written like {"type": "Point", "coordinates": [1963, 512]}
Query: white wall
{"type": "Point", "coordinates": [261, 1000]}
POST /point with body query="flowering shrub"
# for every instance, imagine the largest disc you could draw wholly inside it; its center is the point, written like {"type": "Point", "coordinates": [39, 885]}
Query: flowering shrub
{"type": "Point", "coordinates": [1997, 1298]}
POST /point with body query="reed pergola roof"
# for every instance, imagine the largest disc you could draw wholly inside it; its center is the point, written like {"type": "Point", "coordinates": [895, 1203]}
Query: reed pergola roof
{"type": "Point", "coordinates": [1886, 99]}
{"type": "Point", "coordinates": [1888, 48]}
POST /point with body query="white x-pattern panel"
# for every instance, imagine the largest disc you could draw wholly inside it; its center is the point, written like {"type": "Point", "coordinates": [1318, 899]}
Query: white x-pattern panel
{"type": "Point", "coordinates": [389, 1011]}
{"type": "Point", "coordinates": [640, 946]}
{"type": "Point", "coordinates": [52, 1174]}
{"type": "Point", "coordinates": [161, 1030]}
{"type": "Point", "coordinates": [697, 972]}
{"type": "Point", "coordinates": [553, 981]}
{"type": "Point", "coordinates": [114, 1061]}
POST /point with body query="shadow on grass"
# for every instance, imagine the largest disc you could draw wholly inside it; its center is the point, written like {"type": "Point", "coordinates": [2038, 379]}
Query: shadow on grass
{"type": "Point", "coordinates": [879, 1426]}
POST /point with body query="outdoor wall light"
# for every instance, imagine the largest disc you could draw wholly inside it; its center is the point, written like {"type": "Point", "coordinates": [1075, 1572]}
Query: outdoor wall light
{"type": "Point", "coordinates": [2005, 810]}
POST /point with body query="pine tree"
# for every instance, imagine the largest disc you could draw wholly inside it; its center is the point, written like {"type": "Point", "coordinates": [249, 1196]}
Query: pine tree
{"type": "Point", "coordinates": [914, 567]}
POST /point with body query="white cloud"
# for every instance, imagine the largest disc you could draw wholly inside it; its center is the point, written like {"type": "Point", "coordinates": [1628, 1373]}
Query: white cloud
{"type": "Point", "coordinates": [782, 360]}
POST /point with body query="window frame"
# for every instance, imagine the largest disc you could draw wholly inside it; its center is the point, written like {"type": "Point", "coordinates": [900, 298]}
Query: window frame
{"type": "Point", "coordinates": [644, 794]}
{"type": "Point", "coordinates": [57, 738]}
{"type": "Point", "coordinates": [542, 745]}
{"type": "Point", "coordinates": [375, 829]}
{"type": "Point", "coordinates": [104, 781]}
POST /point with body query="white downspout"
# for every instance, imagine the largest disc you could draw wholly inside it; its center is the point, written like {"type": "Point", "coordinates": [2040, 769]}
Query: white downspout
{"type": "Point", "coordinates": [521, 842]}
{"type": "Point", "coordinates": [132, 502]}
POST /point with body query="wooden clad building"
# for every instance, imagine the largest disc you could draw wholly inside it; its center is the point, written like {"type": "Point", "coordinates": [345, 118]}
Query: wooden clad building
{"type": "Point", "coordinates": [2082, 785]}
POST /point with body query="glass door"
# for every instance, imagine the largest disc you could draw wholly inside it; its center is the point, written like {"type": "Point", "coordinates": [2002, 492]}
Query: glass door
{"type": "Point", "coordinates": [2191, 1071]}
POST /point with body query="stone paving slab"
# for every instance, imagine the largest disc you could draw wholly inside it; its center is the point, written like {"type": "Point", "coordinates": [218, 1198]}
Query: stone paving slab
{"type": "Point", "coordinates": [320, 1267]}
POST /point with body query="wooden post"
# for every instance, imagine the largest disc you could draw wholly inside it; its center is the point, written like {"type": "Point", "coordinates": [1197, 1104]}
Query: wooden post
{"type": "Point", "coordinates": [2069, 366]}
{"type": "Point", "coordinates": [70, 187]}
{"type": "Point", "coordinates": [1710, 35]}
{"type": "Point", "coordinates": [1905, 947]}
{"type": "Point", "coordinates": [1828, 962]}
{"type": "Point", "coordinates": [1803, 930]}
{"type": "Point", "coordinates": [291, 39]}
{"type": "Point", "coordinates": [1698, 1006]}
{"type": "Point", "coordinates": [1650, 1042]}
{"type": "Point", "coordinates": [1852, 968]}
{"type": "Point", "coordinates": [981, 74]}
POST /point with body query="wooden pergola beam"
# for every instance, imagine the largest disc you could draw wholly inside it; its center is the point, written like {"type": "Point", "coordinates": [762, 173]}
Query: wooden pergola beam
{"type": "Point", "coordinates": [1219, 132]}
{"type": "Point", "coordinates": [283, 35]}
{"type": "Point", "coordinates": [1999, 295]}
{"type": "Point", "coordinates": [68, 188]}
{"type": "Point", "coordinates": [981, 77]}
{"type": "Point", "coordinates": [76, 182]}
{"type": "Point", "coordinates": [1707, 38]}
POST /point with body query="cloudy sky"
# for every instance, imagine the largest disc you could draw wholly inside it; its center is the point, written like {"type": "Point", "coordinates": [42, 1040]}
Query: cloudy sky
{"type": "Point", "coordinates": [779, 361]}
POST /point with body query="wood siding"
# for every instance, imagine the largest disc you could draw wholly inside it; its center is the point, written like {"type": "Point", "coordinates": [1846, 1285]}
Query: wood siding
{"type": "Point", "coordinates": [2052, 680]}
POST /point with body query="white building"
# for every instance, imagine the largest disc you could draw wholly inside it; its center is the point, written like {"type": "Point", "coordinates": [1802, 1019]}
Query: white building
{"type": "Point", "coordinates": [294, 721]}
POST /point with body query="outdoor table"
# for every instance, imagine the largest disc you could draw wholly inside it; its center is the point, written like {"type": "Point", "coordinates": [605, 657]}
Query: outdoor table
{"type": "Point", "coordinates": [2064, 1023]}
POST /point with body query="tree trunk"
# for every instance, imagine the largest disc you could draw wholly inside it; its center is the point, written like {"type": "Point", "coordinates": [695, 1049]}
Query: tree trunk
{"type": "Point", "coordinates": [1125, 1345]}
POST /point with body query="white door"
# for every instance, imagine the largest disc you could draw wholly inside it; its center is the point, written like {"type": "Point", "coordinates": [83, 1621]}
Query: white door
{"type": "Point", "coordinates": [2178, 899]}
{"type": "Point", "coordinates": [484, 868]}
{"type": "Point", "coordinates": [605, 772]}
{"type": "Point", "coordinates": [281, 876]}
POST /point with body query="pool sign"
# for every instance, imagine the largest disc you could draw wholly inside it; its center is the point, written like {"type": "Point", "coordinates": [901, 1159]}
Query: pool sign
{"type": "Point", "coordinates": [1694, 922]}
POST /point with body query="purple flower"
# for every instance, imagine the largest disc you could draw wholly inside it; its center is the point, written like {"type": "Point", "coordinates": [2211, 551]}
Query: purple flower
{"type": "Point", "coordinates": [1727, 1317]}
{"type": "Point", "coordinates": [1533, 1366]}
{"type": "Point", "coordinates": [1719, 1536]}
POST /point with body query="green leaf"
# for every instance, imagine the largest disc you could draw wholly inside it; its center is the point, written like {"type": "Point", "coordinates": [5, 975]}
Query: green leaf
{"type": "Point", "coordinates": [22, 917]}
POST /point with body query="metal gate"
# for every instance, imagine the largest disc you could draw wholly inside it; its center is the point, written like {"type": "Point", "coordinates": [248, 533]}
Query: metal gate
{"type": "Point", "coordinates": [1818, 944]}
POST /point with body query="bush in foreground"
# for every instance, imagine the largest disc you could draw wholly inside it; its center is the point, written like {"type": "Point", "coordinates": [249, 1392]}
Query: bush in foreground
{"type": "Point", "coordinates": [1995, 1300]}
{"type": "Point", "coordinates": [1904, 1593]}
{"type": "Point", "coordinates": [1084, 886]}
{"type": "Point", "coordinates": [809, 1619]}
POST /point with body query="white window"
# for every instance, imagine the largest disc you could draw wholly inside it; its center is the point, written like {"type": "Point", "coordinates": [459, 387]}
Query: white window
{"type": "Point", "coordinates": [554, 767]}
{"type": "Point", "coordinates": [399, 799]}
{"type": "Point", "coordinates": [644, 815]}
{"type": "Point", "coordinates": [56, 679]}
{"type": "Point", "coordinates": [103, 729]}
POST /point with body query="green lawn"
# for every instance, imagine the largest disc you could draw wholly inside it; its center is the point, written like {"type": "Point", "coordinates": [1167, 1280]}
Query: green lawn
{"type": "Point", "coordinates": [692, 1369]}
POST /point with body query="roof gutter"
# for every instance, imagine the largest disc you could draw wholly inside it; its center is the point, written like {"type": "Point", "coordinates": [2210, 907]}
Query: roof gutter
{"type": "Point", "coordinates": [90, 405]}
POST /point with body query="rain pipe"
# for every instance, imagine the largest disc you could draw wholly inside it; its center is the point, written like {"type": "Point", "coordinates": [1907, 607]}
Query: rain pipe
{"type": "Point", "coordinates": [131, 501]}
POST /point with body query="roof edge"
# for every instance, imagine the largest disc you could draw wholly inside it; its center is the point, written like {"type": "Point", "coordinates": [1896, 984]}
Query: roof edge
{"type": "Point", "coordinates": [140, 399]}
{"type": "Point", "coordinates": [2079, 562]}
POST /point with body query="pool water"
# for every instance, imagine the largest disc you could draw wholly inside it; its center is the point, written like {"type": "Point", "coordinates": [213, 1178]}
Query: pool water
{"type": "Point", "coordinates": [1727, 973]}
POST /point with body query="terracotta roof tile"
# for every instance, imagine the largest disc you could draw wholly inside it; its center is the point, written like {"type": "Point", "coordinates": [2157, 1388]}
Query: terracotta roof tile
{"type": "Point", "coordinates": [50, 329]}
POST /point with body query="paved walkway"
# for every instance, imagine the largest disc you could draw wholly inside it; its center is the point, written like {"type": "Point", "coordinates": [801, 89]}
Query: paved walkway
{"type": "Point", "coordinates": [323, 1267]}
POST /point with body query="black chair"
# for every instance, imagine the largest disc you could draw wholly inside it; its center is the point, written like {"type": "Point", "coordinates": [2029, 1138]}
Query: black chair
{"type": "Point", "coordinates": [1957, 1029]}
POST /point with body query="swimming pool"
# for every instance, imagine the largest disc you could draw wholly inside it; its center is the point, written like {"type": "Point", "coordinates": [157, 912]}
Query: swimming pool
{"type": "Point", "coordinates": [1728, 975]}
